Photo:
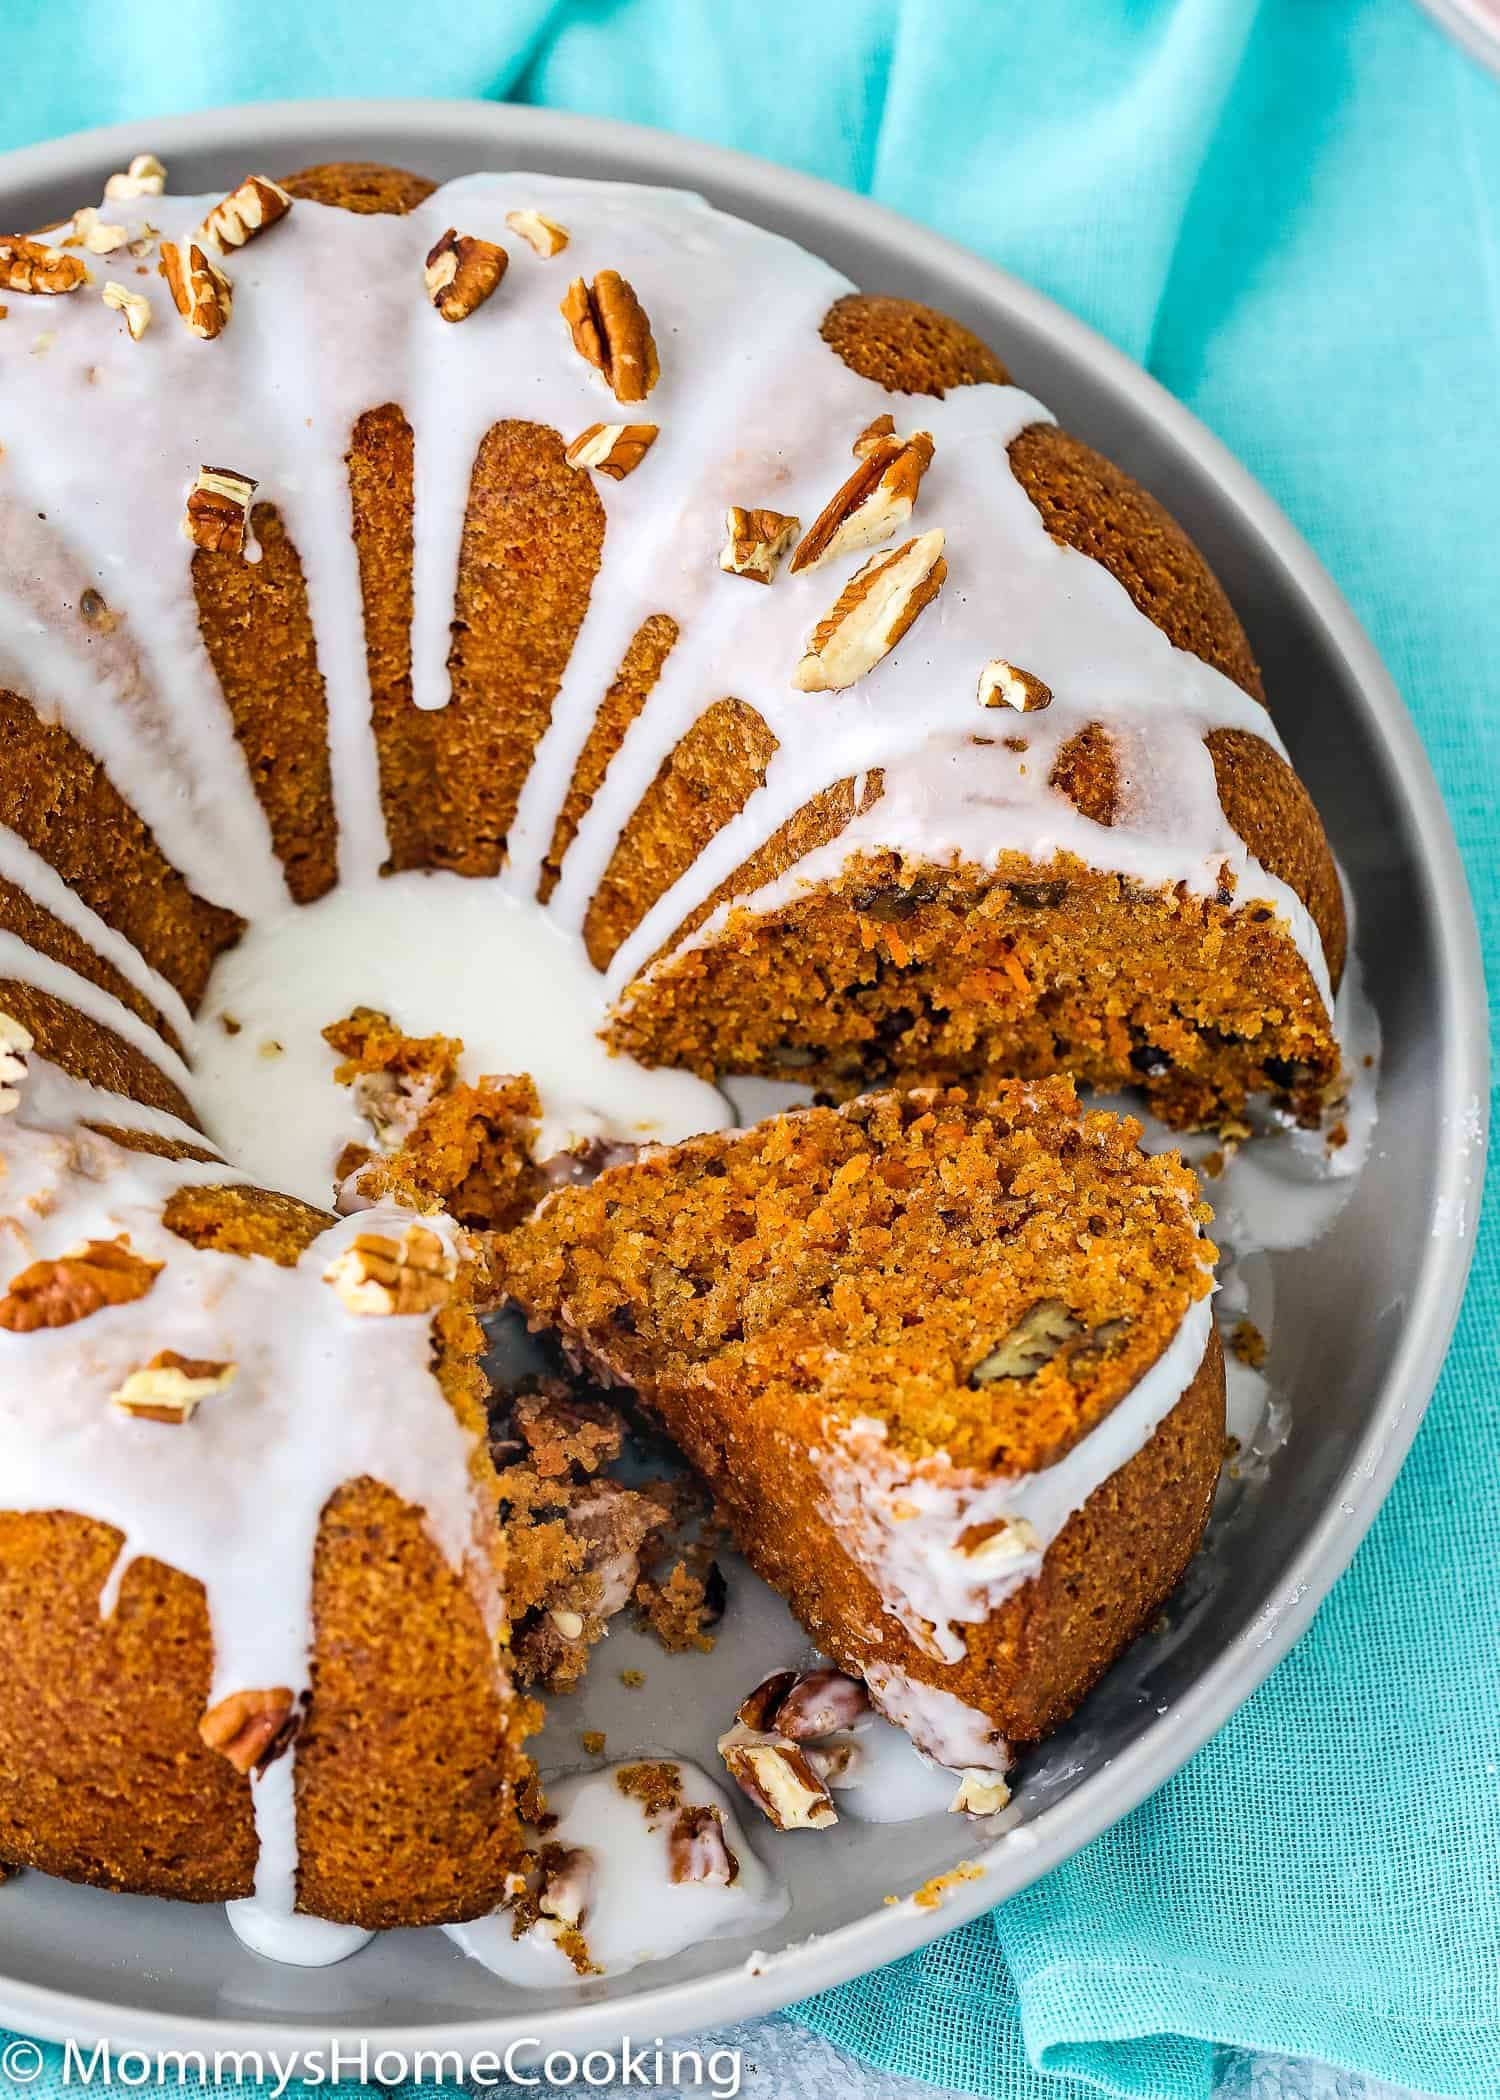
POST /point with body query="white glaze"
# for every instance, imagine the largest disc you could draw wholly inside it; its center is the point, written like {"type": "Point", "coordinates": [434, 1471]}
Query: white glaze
{"type": "Point", "coordinates": [637, 1913]}
{"type": "Point", "coordinates": [901, 1520]}
{"type": "Point", "coordinates": [442, 956]}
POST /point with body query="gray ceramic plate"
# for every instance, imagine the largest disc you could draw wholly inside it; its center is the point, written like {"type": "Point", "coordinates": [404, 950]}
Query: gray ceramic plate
{"type": "Point", "coordinates": [1363, 1317]}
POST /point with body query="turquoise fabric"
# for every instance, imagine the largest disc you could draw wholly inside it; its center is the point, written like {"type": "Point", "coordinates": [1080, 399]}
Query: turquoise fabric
{"type": "Point", "coordinates": [1289, 210]}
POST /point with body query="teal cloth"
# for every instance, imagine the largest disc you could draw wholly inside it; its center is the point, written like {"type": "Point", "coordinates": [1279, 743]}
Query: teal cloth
{"type": "Point", "coordinates": [1290, 211]}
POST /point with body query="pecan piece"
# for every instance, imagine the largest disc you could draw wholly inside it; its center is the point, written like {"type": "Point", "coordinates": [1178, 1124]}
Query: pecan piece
{"type": "Point", "coordinates": [980, 1793]}
{"type": "Point", "coordinates": [758, 1709]}
{"type": "Point", "coordinates": [873, 435]}
{"type": "Point", "coordinates": [461, 273]}
{"type": "Point", "coordinates": [877, 498]}
{"type": "Point", "coordinates": [611, 332]}
{"type": "Point", "coordinates": [873, 611]}
{"type": "Point", "coordinates": [169, 1387]}
{"type": "Point", "coordinates": [96, 236]}
{"type": "Point", "coordinates": [201, 292]}
{"type": "Point", "coordinates": [777, 1775]}
{"type": "Point", "coordinates": [542, 234]}
{"type": "Point", "coordinates": [615, 449]}
{"type": "Point", "coordinates": [1003, 685]}
{"type": "Point", "coordinates": [135, 306]}
{"type": "Point", "coordinates": [84, 1281]}
{"type": "Point", "coordinates": [567, 1883]}
{"type": "Point", "coordinates": [697, 1849]}
{"type": "Point", "coordinates": [218, 510]}
{"type": "Point", "coordinates": [1035, 1339]}
{"type": "Point", "coordinates": [378, 1275]}
{"type": "Point", "coordinates": [1011, 1541]}
{"type": "Point", "coordinates": [15, 1043]}
{"type": "Point", "coordinates": [31, 266]}
{"type": "Point", "coordinates": [755, 541]}
{"type": "Point", "coordinates": [251, 1729]}
{"type": "Point", "coordinates": [821, 1702]}
{"type": "Point", "coordinates": [145, 177]}
{"type": "Point", "coordinates": [256, 204]}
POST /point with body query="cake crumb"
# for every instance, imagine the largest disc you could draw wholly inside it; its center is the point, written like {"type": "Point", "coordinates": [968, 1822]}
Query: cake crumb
{"type": "Point", "coordinates": [931, 1894]}
{"type": "Point", "coordinates": [1338, 1137]}
{"type": "Point", "coordinates": [593, 1740]}
{"type": "Point", "coordinates": [229, 1024]}
{"type": "Point", "coordinates": [656, 1785]}
{"type": "Point", "coordinates": [1248, 1344]}
{"type": "Point", "coordinates": [633, 1678]}
{"type": "Point", "coordinates": [681, 1609]}
{"type": "Point", "coordinates": [1212, 1164]}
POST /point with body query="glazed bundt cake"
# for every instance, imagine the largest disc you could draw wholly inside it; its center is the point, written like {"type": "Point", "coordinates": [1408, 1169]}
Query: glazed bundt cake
{"type": "Point", "coordinates": [819, 710]}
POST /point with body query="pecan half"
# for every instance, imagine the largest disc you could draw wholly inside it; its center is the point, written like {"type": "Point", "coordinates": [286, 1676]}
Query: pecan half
{"type": "Point", "coordinates": [611, 332]}
{"type": "Point", "coordinates": [15, 1044]}
{"type": "Point", "coordinates": [876, 499]}
{"type": "Point", "coordinates": [755, 541]}
{"type": "Point", "coordinates": [378, 1275]}
{"type": "Point", "coordinates": [201, 292]}
{"type": "Point", "coordinates": [169, 1387]}
{"type": "Point", "coordinates": [873, 611]}
{"type": "Point", "coordinates": [1003, 685]}
{"type": "Point", "coordinates": [615, 449]}
{"type": "Point", "coordinates": [256, 204]}
{"type": "Point", "coordinates": [135, 306]}
{"type": "Point", "coordinates": [697, 1849]}
{"type": "Point", "coordinates": [218, 509]}
{"type": "Point", "coordinates": [145, 177]}
{"type": "Point", "coordinates": [542, 234]}
{"type": "Point", "coordinates": [777, 1775]}
{"type": "Point", "coordinates": [461, 273]}
{"type": "Point", "coordinates": [84, 1281]}
{"type": "Point", "coordinates": [96, 236]}
{"type": "Point", "coordinates": [31, 266]}
{"type": "Point", "coordinates": [251, 1728]}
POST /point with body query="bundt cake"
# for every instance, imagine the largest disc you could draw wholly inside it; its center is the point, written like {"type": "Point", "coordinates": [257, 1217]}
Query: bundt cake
{"type": "Point", "coordinates": [812, 706]}
{"type": "Point", "coordinates": [948, 1368]}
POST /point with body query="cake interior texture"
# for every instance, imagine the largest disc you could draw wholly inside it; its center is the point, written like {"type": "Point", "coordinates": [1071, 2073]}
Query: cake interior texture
{"type": "Point", "coordinates": [952, 772]}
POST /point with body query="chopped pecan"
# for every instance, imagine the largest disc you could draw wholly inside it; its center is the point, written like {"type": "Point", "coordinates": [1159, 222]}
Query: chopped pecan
{"type": "Point", "coordinates": [1003, 685]}
{"type": "Point", "coordinates": [15, 1043]}
{"type": "Point", "coordinates": [378, 1275]}
{"type": "Point", "coordinates": [31, 266]}
{"type": "Point", "coordinates": [83, 1281]}
{"type": "Point", "coordinates": [145, 177]}
{"type": "Point", "coordinates": [543, 234]}
{"type": "Point", "coordinates": [461, 273]}
{"type": "Point", "coordinates": [615, 449]}
{"type": "Point", "coordinates": [821, 1702]}
{"type": "Point", "coordinates": [876, 499]}
{"type": "Point", "coordinates": [873, 435]}
{"type": "Point", "coordinates": [980, 1793]}
{"type": "Point", "coordinates": [95, 235]}
{"type": "Point", "coordinates": [201, 292]}
{"type": "Point", "coordinates": [135, 306]}
{"type": "Point", "coordinates": [251, 1728]}
{"type": "Point", "coordinates": [1012, 1541]}
{"type": "Point", "coordinates": [755, 541]}
{"type": "Point", "coordinates": [697, 1849]}
{"type": "Point", "coordinates": [169, 1387]}
{"type": "Point", "coordinates": [777, 1775]}
{"type": "Point", "coordinates": [611, 332]}
{"type": "Point", "coordinates": [1034, 1340]}
{"type": "Point", "coordinates": [873, 611]}
{"type": "Point", "coordinates": [758, 1709]}
{"type": "Point", "coordinates": [256, 204]}
{"type": "Point", "coordinates": [218, 509]}
{"type": "Point", "coordinates": [568, 1877]}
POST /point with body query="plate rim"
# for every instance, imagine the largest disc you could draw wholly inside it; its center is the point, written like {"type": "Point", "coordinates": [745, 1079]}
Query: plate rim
{"type": "Point", "coordinates": [637, 152]}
